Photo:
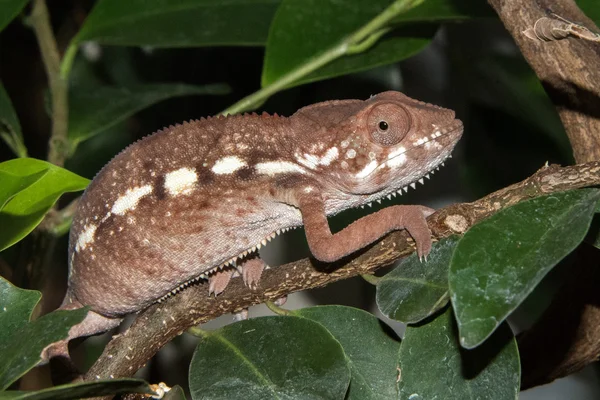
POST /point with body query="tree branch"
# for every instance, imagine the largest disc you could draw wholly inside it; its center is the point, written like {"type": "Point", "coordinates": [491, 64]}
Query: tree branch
{"type": "Point", "coordinates": [569, 69]}
{"type": "Point", "coordinates": [159, 324]}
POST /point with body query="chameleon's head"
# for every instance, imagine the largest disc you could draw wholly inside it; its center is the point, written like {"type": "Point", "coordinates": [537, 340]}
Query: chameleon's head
{"type": "Point", "coordinates": [377, 147]}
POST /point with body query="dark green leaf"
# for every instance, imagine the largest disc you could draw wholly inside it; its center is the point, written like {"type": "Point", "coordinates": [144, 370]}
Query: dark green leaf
{"type": "Point", "coordinates": [499, 261]}
{"type": "Point", "coordinates": [10, 128]}
{"type": "Point", "coordinates": [373, 366]}
{"type": "Point", "coordinates": [10, 9]}
{"type": "Point", "coordinates": [269, 358]}
{"type": "Point", "coordinates": [176, 393]}
{"type": "Point", "coordinates": [26, 209]}
{"type": "Point", "coordinates": [446, 10]}
{"type": "Point", "coordinates": [432, 364]}
{"type": "Point", "coordinates": [21, 341]}
{"type": "Point", "coordinates": [82, 390]}
{"type": "Point", "coordinates": [303, 29]}
{"type": "Point", "coordinates": [414, 290]}
{"type": "Point", "coordinates": [591, 9]}
{"type": "Point", "coordinates": [93, 111]}
{"type": "Point", "coordinates": [182, 23]}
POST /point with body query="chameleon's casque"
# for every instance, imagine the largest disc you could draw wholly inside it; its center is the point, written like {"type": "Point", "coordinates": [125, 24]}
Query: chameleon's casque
{"type": "Point", "coordinates": [194, 197]}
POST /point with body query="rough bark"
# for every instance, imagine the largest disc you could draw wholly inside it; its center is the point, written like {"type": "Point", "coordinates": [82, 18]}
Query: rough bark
{"type": "Point", "coordinates": [159, 324]}
{"type": "Point", "coordinates": [567, 337]}
{"type": "Point", "coordinates": [569, 69]}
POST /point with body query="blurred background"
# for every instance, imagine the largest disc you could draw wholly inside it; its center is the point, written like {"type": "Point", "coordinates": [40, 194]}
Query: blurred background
{"type": "Point", "coordinates": [473, 67]}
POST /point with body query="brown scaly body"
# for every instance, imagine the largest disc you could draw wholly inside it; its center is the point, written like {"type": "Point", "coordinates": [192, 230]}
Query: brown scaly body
{"type": "Point", "coordinates": [192, 198]}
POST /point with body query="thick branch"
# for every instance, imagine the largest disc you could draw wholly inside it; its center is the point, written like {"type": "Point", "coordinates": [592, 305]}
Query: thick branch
{"type": "Point", "coordinates": [159, 324]}
{"type": "Point", "coordinates": [569, 69]}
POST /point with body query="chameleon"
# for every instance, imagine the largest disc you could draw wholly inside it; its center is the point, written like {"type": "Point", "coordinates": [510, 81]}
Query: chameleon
{"type": "Point", "coordinates": [197, 200]}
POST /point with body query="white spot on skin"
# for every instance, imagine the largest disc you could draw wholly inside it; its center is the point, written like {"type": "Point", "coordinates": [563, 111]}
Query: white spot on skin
{"type": "Point", "coordinates": [130, 199]}
{"type": "Point", "coordinates": [397, 157]}
{"type": "Point", "coordinates": [372, 156]}
{"type": "Point", "coordinates": [86, 237]}
{"type": "Point", "coordinates": [370, 167]}
{"type": "Point", "coordinates": [181, 181]}
{"type": "Point", "coordinates": [351, 153]}
{"type": "Point", "coordinates": [278, 167]}
{"type": "Point", "coordinates": [228, 165]}
{"type": "Point", "coordinates": [329, 156]}
{"type": "Point", "coordinates": [344, 144]}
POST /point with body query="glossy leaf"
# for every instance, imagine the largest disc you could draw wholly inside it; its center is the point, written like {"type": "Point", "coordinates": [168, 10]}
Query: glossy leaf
{"type": "Point", "coordinates": [93, 111]}
{"type": "Point", "coordinates": [27, 207]}
{"type": "Point", "coordinates": [10, 128]}
{"type": "Point", "coordinates": [182, 23]}
{"type": "Point", "coordinates": [9, 9]}
{"type": "Point", "coordinates": [269, 358]}
{"type": "Point", "coordinates": [499, 261]}
{"type": "Point", "coordinates": [82, 390]}
{"type": "Point", "coordinates": [176, 393]}
{"type": "Point", "coordinates": [22, 341]}
{"type": "Point", "coordinates": [432, 364]}
{"type": "Point", "coordinates": [414, 290]}
{"type": "Point", "coordinates": [11, 184]}
{"type": "Point", "coordinates": [372, 366]}
{"type": "Point", "coordinates": [303, 29]}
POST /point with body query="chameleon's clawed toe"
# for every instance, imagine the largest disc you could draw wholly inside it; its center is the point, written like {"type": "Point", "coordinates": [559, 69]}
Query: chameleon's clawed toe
{"type": "Point", "coordinates": [252, 271]}
{"type": "Point", "coordinates": [219, 281]}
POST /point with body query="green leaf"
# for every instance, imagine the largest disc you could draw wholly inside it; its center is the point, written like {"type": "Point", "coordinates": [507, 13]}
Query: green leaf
{"type": "Point", "coordinates": [93, 111]}
{"type": "Point", "coordinates": [591, 9]}
{"type": "Point", "coordinates": [26, 209]}
{"type": "Point", "coordinates": [21, 341]}
{"type": "Point", "coordinates": [433, 366]}
{"type": "Point", "coordinates": [499, 261]}
{"type": "Point", "coordinates": [373, 367]}
{"type": "Point", "coordinates": [181, 23]}
{"type": "Point", "coordinates": [82, 390]}
{"type": "Point", "coordinates": [11, 185]}
{"type": "Point", "coordinates": [303, 29]}
{"type": "Point", "coordinates": [10, 128]}
{"type": "Point", "coordinates": [269, 358]}
{"type": "Point", "coordinates": [414, 290]}
{"type": "Point", "coordinates": [176, 393]}
{"type": "Point", "coordinates": [10, 9]}
{"type": "Point", "coordinates": [447, 10]}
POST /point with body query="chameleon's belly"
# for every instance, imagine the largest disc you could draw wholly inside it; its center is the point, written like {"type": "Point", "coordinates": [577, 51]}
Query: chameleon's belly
{"type": "Point", "coordinates": [123, 263]}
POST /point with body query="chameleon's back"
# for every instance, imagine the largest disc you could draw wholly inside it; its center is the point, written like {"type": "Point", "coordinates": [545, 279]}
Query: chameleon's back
{"type": "Point", "coordinates": [169, 208]}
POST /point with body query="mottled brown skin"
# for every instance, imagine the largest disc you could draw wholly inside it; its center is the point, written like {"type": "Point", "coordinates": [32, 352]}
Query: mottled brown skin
{"type": "Point", "coordinates": [182, 202]}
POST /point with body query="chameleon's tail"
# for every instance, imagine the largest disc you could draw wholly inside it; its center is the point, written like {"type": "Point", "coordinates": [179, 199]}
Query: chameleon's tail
{"type": "Point", "coordinates": [92, 324]}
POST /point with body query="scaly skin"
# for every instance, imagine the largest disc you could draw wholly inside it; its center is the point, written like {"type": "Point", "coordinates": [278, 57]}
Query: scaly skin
{"type": "Point", "coordinates": [191, 198]}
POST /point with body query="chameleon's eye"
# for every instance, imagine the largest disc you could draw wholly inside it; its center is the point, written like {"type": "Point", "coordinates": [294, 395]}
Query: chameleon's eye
{"type": "Point", "coordinates": [388, 124]}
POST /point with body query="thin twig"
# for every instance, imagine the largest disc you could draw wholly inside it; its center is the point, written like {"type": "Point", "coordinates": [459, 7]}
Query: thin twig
{"type": "Point", "coordinates": [58, 145]}
{"type": "Point", "coordinates": [358, 41]}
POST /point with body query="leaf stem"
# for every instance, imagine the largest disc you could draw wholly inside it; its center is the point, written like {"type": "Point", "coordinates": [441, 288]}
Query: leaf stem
{"type": "Point", "coordinates": [68, 58]}
{"type": "Point", "coordinates": [372, 279]}
{"type": "Point", "coordinates": [40, 21]}
{"type": "Point", "coordinates": [276, 309]}
{"type": "Point", "coordinates": [358, 41]}
{"type": "Point", "coordinates": [195, 331]}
